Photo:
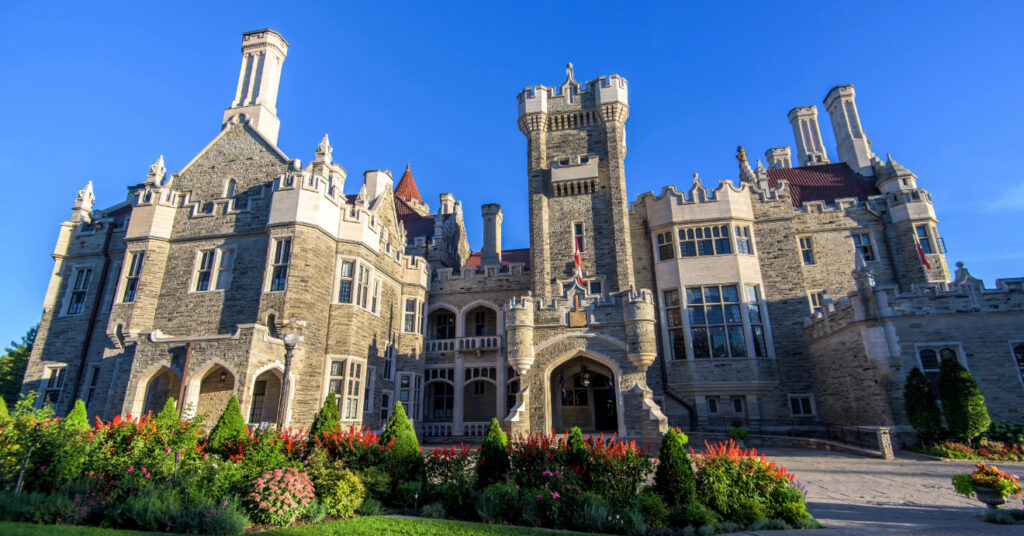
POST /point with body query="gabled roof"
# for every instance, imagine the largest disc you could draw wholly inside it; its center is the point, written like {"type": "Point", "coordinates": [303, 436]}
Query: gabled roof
{"type": "Point", "coordinates": [415, 224]}
{"type": "Point", "coordinates": [826, 183]}
{"type": "Point", "coordinates": [508, 256]}
{"type": "Point", "coordinates": [406, 189]}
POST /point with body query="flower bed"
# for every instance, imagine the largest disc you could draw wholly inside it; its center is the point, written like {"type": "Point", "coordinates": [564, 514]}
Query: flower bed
{"type": "Point", "coordinates": [986, 449]}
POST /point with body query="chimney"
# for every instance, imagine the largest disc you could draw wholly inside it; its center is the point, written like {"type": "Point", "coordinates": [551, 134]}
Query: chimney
{"type": "Point", "coordinates": [447, 204]}
{"type": "Point", "coordinates": [492, 234]}
{"type": "Point", "coordinates": [809, 149]}
{"type": "Point", "coordinates": [851, 142]}
{"type": "Point", "coordinates": [778, 158]}
{"type": "Point", "coordinates": [377, 182]}
{"type": "Point", "coordinates": [263, 54]}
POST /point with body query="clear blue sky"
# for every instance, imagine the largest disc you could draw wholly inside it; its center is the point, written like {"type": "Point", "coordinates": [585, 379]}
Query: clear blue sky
{"type": "Point", "coordinates": [95, 92]}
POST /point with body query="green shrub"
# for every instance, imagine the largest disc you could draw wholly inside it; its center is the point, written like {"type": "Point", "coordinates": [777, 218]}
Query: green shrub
{"type": "Point", "coordinates": [1004, 432]}
{"type": "Point", "coordinates": [340, 491]}
{"type": "Point", "coordinates": [726, 527]}
{"type": "Point", "coordinates": [458, 500]}
{"type": "Point", "coordinates": [592, 513]}
{"type": "Point", "coordinates": [78, 418]}
{"type": "Point", "coordinates": [494, 464]}
{"type": "Point", "coordinates": [962, 401]}
{"type": "Point", "coordinates": [779, 524]}
{"type": "Point", "coordinates": [434, 510]}
{"type": "Point", "coordinates": [653, 509]}
{"type": "Point", "coordinates": [922, 410]}
{"type": "Point", "coordinates": [629, 521]}
{"type": "Point", "coordinates": [697, 515]}
{"type": "Point", "coordinates": [409, 494]}
{"type": "Point", "coordinates": [230, 426]}
{"type": "Point", "coordinates": [404, 460]}
{"type": "Point", "coordinates": [169, 510]}
{"type": "Point", "coordinates": [168, 416]}
{"type": "Point", "coordinates": [371, 507]}
{"type": "Point", "coordinates": [4, 415]}
{"type": "Point", "coordinates": [809, 523]}
{"type": "Point", "coordinates": [328, 419]}
{"type": "Point", "coordinates": [739, 434]}
{"type": "Point", "coordinates": [377, 483]}
{"type": "Point", "coordinates": [674, 480]}
{"type": "Point", "coordinates": [35, 507]}
{"type": "Point", "coordinates": [498, 503]}
{"type": "Point", "coordinates": [747, 510]}
{"type": "Point", "coordinates": [315, 512]}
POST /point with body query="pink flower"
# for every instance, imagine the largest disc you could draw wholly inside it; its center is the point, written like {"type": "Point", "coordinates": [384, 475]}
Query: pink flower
{"type": "Point", "coordinates": [539, 497]}
{"type": "Point", "coordinates": [147, 475]}
{"type": "Point", "coordinates": [144, 470]}
{"type": "Point", "coordinates": [168, 450]}
{"type": "Point", "coordinates": [554, 495]}
{"type": "Point", "coordinates": [130, 468]}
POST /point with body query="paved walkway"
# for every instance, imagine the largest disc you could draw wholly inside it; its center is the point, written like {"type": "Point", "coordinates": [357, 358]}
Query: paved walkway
{"type": "Point", "coordinates": [911, 495]}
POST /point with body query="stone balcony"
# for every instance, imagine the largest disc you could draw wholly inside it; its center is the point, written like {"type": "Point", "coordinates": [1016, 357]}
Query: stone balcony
{"type": "Point", "coordinates": [465, 344]}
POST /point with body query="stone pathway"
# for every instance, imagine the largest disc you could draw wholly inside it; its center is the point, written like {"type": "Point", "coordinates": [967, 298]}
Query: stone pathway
{"type": "Point", "coordinates": [911, 495]}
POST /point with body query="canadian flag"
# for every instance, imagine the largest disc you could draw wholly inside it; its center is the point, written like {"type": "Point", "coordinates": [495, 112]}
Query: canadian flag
{"type": "Point", "coordinates": [579, 263]}
{"type": "Point", "coordinates": [920, 255]}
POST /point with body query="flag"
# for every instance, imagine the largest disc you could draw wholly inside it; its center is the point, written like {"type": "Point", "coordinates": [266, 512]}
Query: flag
{"type": "Point", "coordinates": [579, 263]}
{"type": "Point", "coordinates": [920, 255]}
{"type": "Point", "coordinates": [565, 394]}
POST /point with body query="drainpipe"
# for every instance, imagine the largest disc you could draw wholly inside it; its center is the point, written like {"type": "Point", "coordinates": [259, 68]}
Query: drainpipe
{"type": "Point", "coordinates": [657, 340]}
{"type": "Point", "coordinates": [97, 304]}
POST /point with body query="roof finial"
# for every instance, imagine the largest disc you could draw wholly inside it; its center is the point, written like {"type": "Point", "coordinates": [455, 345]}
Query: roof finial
{"type": "Point", "coordinates": [157, 171]}
{"type": "Point", "coordinates": [741, 155]}
{"type": "Point", "coordinates": [568, 72]}
{"type": "Point", "coordinates": [324, 150]}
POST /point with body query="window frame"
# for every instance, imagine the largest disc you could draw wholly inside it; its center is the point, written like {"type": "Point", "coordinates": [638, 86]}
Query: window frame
{"type": "Point", "coordinates": [276, 265]}
{"type": "Point", "coordinates": [661, 242]}
{"type": "Point", "coordinates": [73, 290]}
{"type": "Point", "coordinates": [727, 328]}
{"type": "Point", "coordinates": [819, 296]}
{"type": "Point", "coordinates": [386, 405]}
{"type": "Point", "coordinates": [937, 347]}
{"type": "Point", "coordinates": [860, 247]}
{"type": "Point", "coordinates": [802, 396]}
{"type": "Point", "coordinates": [55, 377]}
{"type": "Point", "coordinates": [414, 402]}
{"type": "Point", "coordinates": [805, 244]}
{"type": "Point", "coordinates": [351, 380]}
{"type": "Point", "coordinates": [1018, 363]}
{"type": "Point", "coordinates": [579, 235]}
{"type": "Point", "coordinates": [132, 276]}
{"type": "Point", "coordinates": [417, 315]}
{"type": "Point", "coordinates": [744, 234]}
{"type": "Point", "coordinates": [924, 240]}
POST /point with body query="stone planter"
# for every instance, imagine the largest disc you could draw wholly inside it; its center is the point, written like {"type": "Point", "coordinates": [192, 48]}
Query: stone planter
{"type": "Point", "coordinates": [990, 497]}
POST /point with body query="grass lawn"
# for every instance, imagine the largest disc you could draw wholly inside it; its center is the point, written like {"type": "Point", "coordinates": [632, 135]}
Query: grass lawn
{"type": "Point", "coordinates": [360, 526]}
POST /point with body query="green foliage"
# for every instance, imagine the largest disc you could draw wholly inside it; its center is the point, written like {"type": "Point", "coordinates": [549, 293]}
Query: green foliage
{"type": "Point", "coordinates": [78, 418]}
{"type": "Point", "coordinates": [922, 410]}
{"type": "Point", "coordinates": [494, 464]}
{"type": "Point", "coordinates": [747, 510]}
{"type": "Point", "coordinates": [674, 480]}
{"type": "Point", "coordinates": [340, 491]}
{"type": "Point", "coordinates": [409, 494]}
{"type": "Point", "coordinates": [962, 401]}
{"type": "Point", "coordinates": [12, 366]}
{"type": "Point", "coordinates": [328, 419]}
{"type": "Point", "coordinates": [697, 515]}
{"type": "Point", "coordinates": [963, 484]}
{"type": "Point", "coordinates": [593, 513]}
{"type": "Point", "coordinates": [1005, 517]}
{"type": "Point", "coordinates": [168, 510]}
{"type": "Point", "coordinates": [433, 510]}
{"type": "Point", "coordinates": [404, 459]}
{"type": "Point", "coordinates": [230, 426]}
{"type": "Point", "coordinates": [315, 512]}
{"type": "Point", "coordinates": [377, 482]}
{"type": "Point", "coordinates": [739, 434]}
{"type": "Point", "coordinates": [498, 503]}
{"type": "Point", "coordinates": [653, 509]}
{"type": "Point", "coordinates": [371, 507]}
{"type": "Point", "coordinates": [1005, 432]}
{"type": "Point", "coordinates": [168, 416]}
{"type": "Point", "coordinates": [4, 415]}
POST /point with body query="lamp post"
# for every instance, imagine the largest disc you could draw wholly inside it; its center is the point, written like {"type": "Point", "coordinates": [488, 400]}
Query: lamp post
{"type": "Point", "coordinates": [291, 334]}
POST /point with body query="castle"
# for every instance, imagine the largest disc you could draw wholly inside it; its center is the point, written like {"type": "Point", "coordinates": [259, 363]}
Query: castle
{"type": "Point", "coordinates": [801, 292]}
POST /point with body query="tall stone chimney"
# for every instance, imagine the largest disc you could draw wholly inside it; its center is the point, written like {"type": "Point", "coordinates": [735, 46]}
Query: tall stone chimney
{"type": "Point", "coordinates": [377, 182]}
{"type": "Point", "coordinates": [778, 158]}
{"type": "Point", "coordinates": [263, 54]}
{"type": "Point", "coordinates": [809, 149]}
{"type": "Point", "coordinates": [851, 142]}
{"type": "Point", "coordinates": [491, 253]}
{"type": "Point", "coordinates": [447, 204]}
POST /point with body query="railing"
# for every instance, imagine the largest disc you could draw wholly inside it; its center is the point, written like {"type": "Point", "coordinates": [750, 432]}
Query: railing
{"type": "Point", "coordinates": [475, 429]}
{"type": "Point", "coordinates": [486, 342]}
{"type": "Point", "coordinates": [861, 436]}
{"type": "Point", "coordinates": [437, 429]}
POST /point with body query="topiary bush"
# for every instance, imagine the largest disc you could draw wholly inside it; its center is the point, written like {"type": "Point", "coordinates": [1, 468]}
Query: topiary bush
{"type": "Point", "coordinates": [922, 410]}
{"type": "Point", "coordinates": [403, 459]}
{"type": "Point", "coordinates": [494, 464]}
{"type": "Point", "coordinates": [230, 426]}
{"type": "Point", "coordinates": [962, 401]}
{"type": "Point", "coordinates": [328, 419]}
{"type": "Point", "coordinates": [674, 480]}
{"type": "Point", "coordinates": [78, 418]}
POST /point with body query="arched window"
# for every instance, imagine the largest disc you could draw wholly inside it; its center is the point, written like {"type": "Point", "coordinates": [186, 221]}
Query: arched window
{"type": "Point", "coordinates": [1018, 353]}
{"type": "Point", "coordinates": [931, 360]}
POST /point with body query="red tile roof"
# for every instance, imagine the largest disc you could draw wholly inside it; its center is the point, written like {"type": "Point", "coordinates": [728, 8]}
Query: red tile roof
{"type": "Point", "coordinates": [415, 225]}
{"type": "Point", "coordinates": [406, 189]}
{"type": "Point", "coordinates": [822, 183]}
{"type": "Point", "coordinates": [508, 256]}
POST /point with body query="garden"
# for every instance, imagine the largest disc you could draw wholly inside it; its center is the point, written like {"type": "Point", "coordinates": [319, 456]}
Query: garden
{"type": "Point", "coordinates": [164, 474]}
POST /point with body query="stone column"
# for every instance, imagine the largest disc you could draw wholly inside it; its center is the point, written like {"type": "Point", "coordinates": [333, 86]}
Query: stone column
{"type": "Point", "coordinates": [460, 390]}
{"type": "Point", "coordinates": [502, 369]}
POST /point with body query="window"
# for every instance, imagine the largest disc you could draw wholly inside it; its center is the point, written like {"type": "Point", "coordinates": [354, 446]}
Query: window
{"type": "Point", "coordinates": [345, 282]}
{"type": "Point", "coordinates": [931, 358]}
{"type": "Point", "coordinates": [595, 287]}
{"type": "Point", "coordinates": [716, 323]}
{"type": "Point", "coordinates": [375, 297]}
{"type": "Point", "coordinates": [666, 247]}
{"type": "Point", "coordinates": [385, 408]}
{"type": "Point", "coordinates": [224, 267]}
{"type": "Point", "coordinates": [479, 388]}
{"type": "Point", "coordinates": [575, 393]}
{"type": "Point", "coordinates": [674, 321]}
{"type": "Point", "coordinates": [923, 239]}
{"type": "Point", "coordinates": [79, 289]}
{"type": "Point", "coordinates": [409, 393]}
{"type": "Point", "coordinates": [110, 296]}
{"type": "Point", "coordinates": [817, 301]}
{"type": "Point", "coordinates": [389, 361]}
{"type": "Point", "coordinates": [282, 256]}
{"type": "Point", "coordinates": [413, 316]}
{"type": "Point", "coordinates": [1018, 354]}
{"type": "Point", "coordinates": [346, 382]}
{"type": "Point", "coordinates": [801, 405]}
{"type": "Point", "coordinates": [479, 323]}
{"type": "Point", "coordinates": [54, 384]}
{"type": "Point", "coordinates": [577, 233]}
{"type": "Point", "coordinates": [862, 242]}
{"type": "Point", "coordinates": [702, 241]}
{"type": "Point", "coordinates": [752, 303]}
{"type": "Point", "coordinates": [94, 376]}
{"type": "Point", "coordinates": [737, 405]}
{"type": "Point", "coordinates": [443, 398]}
{"type": "Point", "coordinates": [807, 249]}
{"type": "Point", "coordinates": [744, 244]}
{"type": "Point", "coordinates": [712, 405]}
{"type": "Point", "coordinates": [363, 286]}
{"type": "Point", "coordinates": [444, 325]}
{"type": "Point", "coordinates": [205, 270]}
{"type": "Point", "coordinates": [259, 393]}
{"type": "Point", "coordinates": [131, 281]}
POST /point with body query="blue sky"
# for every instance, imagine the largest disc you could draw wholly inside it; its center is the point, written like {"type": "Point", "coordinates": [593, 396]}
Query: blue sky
{"type": "Point", "coordinates": [96, 92]}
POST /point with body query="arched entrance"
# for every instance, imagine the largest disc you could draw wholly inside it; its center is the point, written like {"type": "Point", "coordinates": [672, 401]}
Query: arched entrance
{"type": "Point", "coordinates": [215, 389]}
{"type": "Point", "coordinates": [583, 394]}
{"type": "Point", "coordinates": [161, 386]}
{"type": "Point", "coordinates": [266, 395]}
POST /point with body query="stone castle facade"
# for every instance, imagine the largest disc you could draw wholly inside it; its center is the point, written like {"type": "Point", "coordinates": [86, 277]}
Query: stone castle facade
{"type": "Point", "coordinates": [803, 292]}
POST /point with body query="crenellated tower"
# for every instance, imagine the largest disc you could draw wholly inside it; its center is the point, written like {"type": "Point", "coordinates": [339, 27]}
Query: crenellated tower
{"type": "Point", "coordinates": [576, 147]}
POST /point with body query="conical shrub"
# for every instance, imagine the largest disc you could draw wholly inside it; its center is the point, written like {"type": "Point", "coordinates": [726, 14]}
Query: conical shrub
{"type": "Point", "coordinates": [674, 480]}
{"type": "Point", "coordinates": [494, 463]}
{"type": "Point", "coordinates": [328, 419]}
{"type": "Point", "coordinates": [4, 415]}
{"type": "Point", "coordinates": [78, 418]}
{"type": "Point", "coordinates": [404, 459]}
{"type": "Point", "coordinates": [922, 410]}
{"type": "Point", "coordinates": [230, 426]}
{"type": "Point", "coordinates": [962, 401]}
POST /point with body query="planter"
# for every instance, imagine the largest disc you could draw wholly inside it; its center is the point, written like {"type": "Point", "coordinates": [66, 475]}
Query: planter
{"type": "Point", "coordinates": [991, 497]}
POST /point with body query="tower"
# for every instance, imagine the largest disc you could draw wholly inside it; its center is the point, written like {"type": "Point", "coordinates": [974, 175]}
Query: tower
{"type": "Point", "coordinates": [851, 142]}
{"type": "Point", "coordinates": [576, 146]}
{"type": "Point", "coordinates": [492, 216]}
{"type": "Point", "coordinates": [809, 149]}
{"type": "Point", "coordinates": [263, 54]}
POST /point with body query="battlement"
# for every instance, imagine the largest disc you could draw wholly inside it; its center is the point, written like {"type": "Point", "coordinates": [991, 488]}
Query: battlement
{"type": "Point", "coordinates": [571, 95]}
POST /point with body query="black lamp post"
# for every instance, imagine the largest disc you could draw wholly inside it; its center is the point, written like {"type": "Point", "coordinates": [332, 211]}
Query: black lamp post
{"type": "Point", "coordinates": [291, 334]}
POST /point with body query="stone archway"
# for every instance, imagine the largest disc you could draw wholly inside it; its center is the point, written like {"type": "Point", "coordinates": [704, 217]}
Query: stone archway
{"type": "Point", "coordinates": [162, 385]}
{"type": "Point", "coordinates": [215, 389]}
{"type": "Point", "coordinates": [583, 393]}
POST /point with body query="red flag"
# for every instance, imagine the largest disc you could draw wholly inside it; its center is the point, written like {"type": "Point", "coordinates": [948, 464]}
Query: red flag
{"type": "Point", "coordinates": [920, 255]}
{"type": "Point", "coordinates": [579, 263]}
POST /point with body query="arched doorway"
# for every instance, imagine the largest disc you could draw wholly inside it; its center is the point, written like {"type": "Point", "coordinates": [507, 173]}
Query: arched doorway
{"type": "Point", "coordinates": [583, 395]}
{"type": "Point", "coordinates": [215, 389]}
{"type": "Point", "coordinates": [266, 395]}
{"type": "Point", "coordinates": [163, 385]}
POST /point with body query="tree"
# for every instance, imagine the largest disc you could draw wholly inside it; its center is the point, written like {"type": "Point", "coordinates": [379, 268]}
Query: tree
{"type": "Point", "coordinates": [962, 401]}
{"type": "Point", "coordinates": [327, 420]}
{"type": "Point", "coordinates": [230, 426]}
{"type": "Point", "coordinates": [12, 366]}
{"type": "Point", "coordinates": [168, 417]}
{"type": "Point", "coordinates": [78, 418]}
{"type": "Point", "coordinates": [674, 480]}
{"type": "Point", "coordinates": [494, 464]}
{"type": "Point", "coordinates": [922, 410]}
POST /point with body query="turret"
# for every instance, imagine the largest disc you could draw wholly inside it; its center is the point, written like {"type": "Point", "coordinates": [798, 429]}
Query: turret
{"type": "Point", "coordinates": [809, 149]}
{"type": "Point", "coordinates": [778, 158]}
{"type": "Point", "coordinates": [492, 215]}
{"type": "Point", "coordinates": [263, 54]}
{"type": "Point", "coordinates": [447, 204]}
{"type": "Point", "coordinates": [852, 144]}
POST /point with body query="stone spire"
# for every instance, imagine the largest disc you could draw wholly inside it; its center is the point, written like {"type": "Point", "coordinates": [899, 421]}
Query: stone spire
{"type": "Point", "coordinates": [324, 150]}
{"type": "Point", "coordinates": [82, 208]}
{"type": "Point", "coordinates": [157, 172]}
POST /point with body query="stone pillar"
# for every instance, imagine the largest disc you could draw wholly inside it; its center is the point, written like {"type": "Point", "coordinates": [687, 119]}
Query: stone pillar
{"type": "Point", "coordinates": [885, 442]}
{"type": "Point", "coordinates": [502, 370]}
{"type": "Point", "coordinates": [459, 398]}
